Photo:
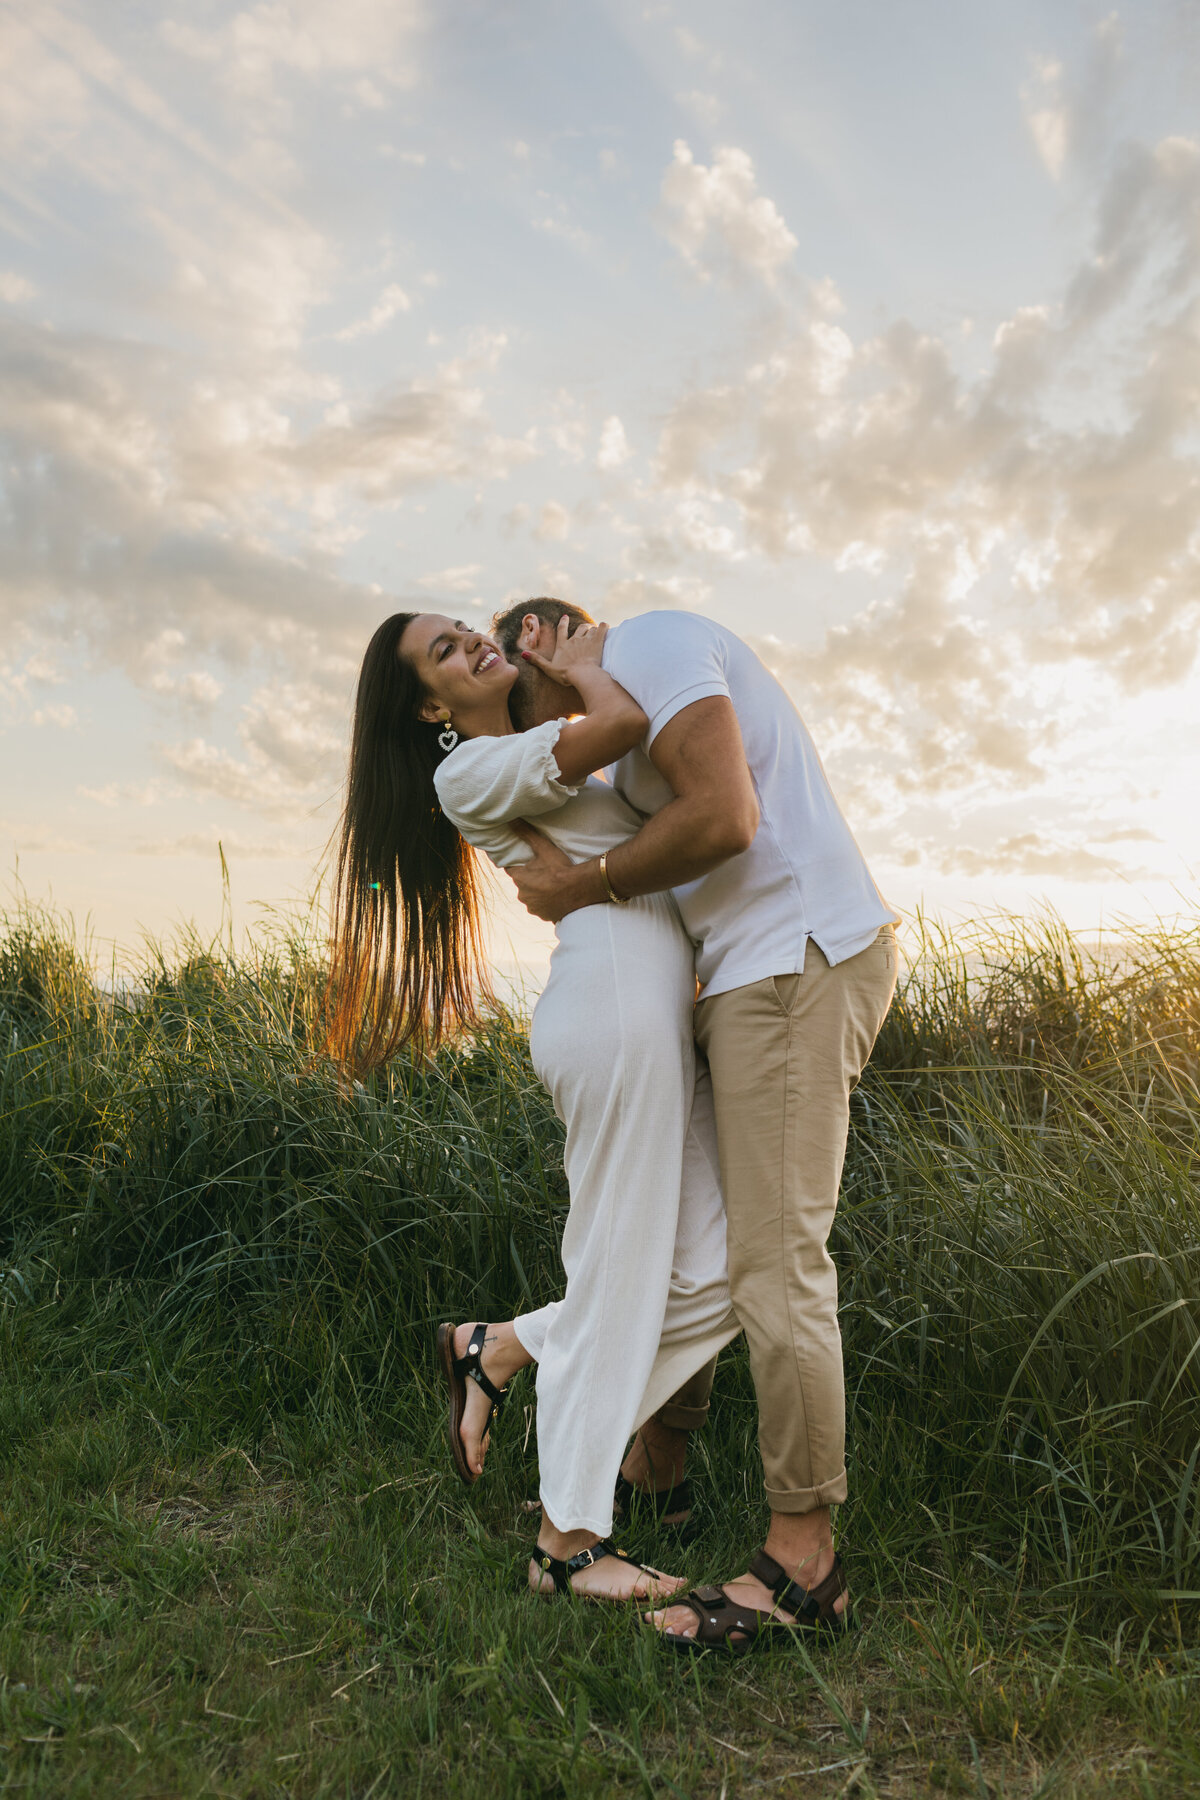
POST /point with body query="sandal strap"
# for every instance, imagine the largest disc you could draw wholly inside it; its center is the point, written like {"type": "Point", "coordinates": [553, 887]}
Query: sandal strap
{"type": "Point", "coordinates": [560, 1570]}
{"type": "Point", "coordinates": [470, 1367]}
{"type": "Point", "coordinates": [811, 1606]}
{"type": "Point", "coordinates": [664, 1500]}
{"type": "Point", "coordinates": [719, 1616]}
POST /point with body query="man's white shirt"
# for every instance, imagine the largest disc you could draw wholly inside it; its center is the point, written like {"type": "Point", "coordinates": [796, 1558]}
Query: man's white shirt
{"type": "Point", "coordinates": [803, 876]}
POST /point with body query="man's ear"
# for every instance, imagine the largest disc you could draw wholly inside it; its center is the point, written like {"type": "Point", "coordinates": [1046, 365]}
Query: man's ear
{"type": "Point", "coordinates": [530, 633]}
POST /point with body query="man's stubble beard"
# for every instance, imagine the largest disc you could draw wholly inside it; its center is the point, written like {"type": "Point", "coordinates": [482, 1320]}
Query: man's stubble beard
{"type": "Point", "coordinates": [534, 698]}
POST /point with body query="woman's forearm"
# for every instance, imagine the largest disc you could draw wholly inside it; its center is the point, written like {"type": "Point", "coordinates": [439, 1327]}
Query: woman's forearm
{"type": "Point", "coordinates": [596, 688]}
{"type": "Point", "coordinates": [613, 724]}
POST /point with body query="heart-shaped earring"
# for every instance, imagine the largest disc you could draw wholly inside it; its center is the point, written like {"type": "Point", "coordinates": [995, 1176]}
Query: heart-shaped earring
{"type": "Point", "coordinates": [449, 737]}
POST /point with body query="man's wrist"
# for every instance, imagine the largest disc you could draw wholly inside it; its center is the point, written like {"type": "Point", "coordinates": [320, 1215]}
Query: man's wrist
{"type": "Point", "coordinates": [606, 880]}
{"type": "Point", "coordinates": [587, 886]}
{"type": "Point", "coordinates": [596, 891]}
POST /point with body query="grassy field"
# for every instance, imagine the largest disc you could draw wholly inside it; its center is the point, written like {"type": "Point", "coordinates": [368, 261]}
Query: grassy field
{"type": "Point", "coordinates": [233, 1559]}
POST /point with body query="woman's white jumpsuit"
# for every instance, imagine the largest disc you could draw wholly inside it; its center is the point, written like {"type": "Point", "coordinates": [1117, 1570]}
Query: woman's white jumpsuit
{"type": "Point", "coordinates": [647, 1295]}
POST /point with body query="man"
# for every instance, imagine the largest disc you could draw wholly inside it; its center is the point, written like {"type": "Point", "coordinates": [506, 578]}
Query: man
{"type": "Point", "coordinates": [796, 959]}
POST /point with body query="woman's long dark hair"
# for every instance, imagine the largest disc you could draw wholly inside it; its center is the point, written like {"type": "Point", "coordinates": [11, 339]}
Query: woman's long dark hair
{"type": "Point", "coordinates": [406, 966]}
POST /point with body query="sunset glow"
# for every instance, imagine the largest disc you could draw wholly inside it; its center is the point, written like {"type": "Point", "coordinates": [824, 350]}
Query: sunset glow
{"type": "Point", "coordinates": [888, 361]}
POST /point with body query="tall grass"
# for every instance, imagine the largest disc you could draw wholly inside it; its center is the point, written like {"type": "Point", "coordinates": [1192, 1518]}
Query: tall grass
{"type": "Point", "coordinates": [1018, 1243]}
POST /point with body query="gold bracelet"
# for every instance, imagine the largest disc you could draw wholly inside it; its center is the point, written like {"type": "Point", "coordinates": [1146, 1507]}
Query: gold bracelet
{"type": "Point", "coordinates": [617, 899]}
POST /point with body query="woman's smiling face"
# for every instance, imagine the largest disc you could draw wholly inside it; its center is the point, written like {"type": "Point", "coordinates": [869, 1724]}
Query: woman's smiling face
{"type": "Point", "coordinates": [463, 671]}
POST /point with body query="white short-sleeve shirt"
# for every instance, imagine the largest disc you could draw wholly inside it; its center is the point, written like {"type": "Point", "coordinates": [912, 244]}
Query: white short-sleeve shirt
{"type": "Point", "coordinates": [803, 876]}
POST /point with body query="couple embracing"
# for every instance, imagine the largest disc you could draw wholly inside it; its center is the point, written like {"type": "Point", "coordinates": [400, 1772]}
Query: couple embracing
{"type": "Point", "coordinates": [704, 1136]}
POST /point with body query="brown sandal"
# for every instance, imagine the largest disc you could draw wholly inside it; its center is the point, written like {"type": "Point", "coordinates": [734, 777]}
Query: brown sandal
{"type": "Point", "coordinates": [458, 1370]}
{"type": "Point", "coordinates": [720, 1616]}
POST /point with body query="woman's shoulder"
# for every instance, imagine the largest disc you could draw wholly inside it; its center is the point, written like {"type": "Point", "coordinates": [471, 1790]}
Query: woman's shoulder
{"type": "Point", "coordinates": [483, 775]}
{"type": "Point", "coordinates": [473, 757]}
{"type": "Point", "coordinates": [459, 774]}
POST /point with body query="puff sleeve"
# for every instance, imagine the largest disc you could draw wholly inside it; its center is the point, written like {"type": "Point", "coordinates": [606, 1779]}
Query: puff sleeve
{"type": "Point", "coordinates": [492, 780]}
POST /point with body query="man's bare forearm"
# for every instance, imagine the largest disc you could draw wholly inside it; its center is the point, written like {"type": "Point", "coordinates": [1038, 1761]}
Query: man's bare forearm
{"type": "Point", "coordinates": [676, 845]}
{"type": "Point", "coordinates": [712, 817]}
{"type": "Point", "coordinates": [580, 885]}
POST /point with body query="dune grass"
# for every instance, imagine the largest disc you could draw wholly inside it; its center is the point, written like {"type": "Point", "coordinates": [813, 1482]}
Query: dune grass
{"type": "Point", "coordinates": [233, 1558]}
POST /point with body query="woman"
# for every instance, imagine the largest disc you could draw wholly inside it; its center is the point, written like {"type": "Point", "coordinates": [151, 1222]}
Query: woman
{"type": "Point", "coordinates": [436, 766]}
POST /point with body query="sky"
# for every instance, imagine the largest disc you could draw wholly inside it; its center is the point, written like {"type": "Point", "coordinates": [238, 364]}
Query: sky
{"type": "Point", "coordinates": [871, 331]}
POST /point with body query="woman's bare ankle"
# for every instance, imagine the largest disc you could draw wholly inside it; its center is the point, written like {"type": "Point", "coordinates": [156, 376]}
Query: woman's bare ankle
{"type": "Point", "coordinates": [564, 1544]}
{"type": "Point", "coordinates": [504, 1355]}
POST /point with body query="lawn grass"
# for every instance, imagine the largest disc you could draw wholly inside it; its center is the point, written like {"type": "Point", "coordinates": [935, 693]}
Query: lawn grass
{"type": "Point", "coordinates": [233, 1559]}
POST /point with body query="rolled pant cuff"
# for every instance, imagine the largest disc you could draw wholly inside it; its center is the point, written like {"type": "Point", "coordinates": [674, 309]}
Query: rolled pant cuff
{"type": "Point", "coordinates": [682, 1418]}
{"type": "Point", "coordinates": [802, 1500]}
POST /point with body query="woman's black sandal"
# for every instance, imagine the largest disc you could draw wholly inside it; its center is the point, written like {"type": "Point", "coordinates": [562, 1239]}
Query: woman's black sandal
{"type": "Point", "coordinates": [458, 1370]}
{"type": "Point", "coordinates": [812, 1609]}
{"type": "Point", "coordinates": [560, 1570]}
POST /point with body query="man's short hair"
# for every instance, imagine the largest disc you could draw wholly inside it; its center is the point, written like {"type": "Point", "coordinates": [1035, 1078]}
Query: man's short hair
{"type": "Point", "coordinates": [506, 626]}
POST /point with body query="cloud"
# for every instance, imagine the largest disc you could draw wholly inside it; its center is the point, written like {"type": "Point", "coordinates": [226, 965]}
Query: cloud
{"type": "Point", "coordinates": [139, 501]}
{"type": "Point", "coordinates": [256, 50]}
{"type": "Point", "coordinates": [180, 490]}
{"type": "Point", "coordinates": [197, 498]}
{"type": "Point", "coordinates": [15, 288]}
{"type": "Point", "coordinates": [565, 426]}
{"type": "Point", "coordinates": [393, 300]}
{"type": "Point", "coordinates": [927, 689]}
{"type": "Point", "coordinates": [554, 579]}
{"type": "Point", "coordinates": [717, 219]}
{"type": "Point", "coordinates": [421, 432]}
{"type": "Point", "coordinates": [60, 714]}
{"type": "Point", "coordinates": [638, 593]}
{"type": "Point", "coordinates": [197, 689]}
{"type": "Point", "coordinates": [226, 255]}
{"type": "Point", "coordinates": [1021, 512]}
{"type": "Point", "coordinates": [554, 523]}
{"type": "Point", "coordinates": [139, 793]}
{"type": "Point", "coordinates": [1046, 113]}
{"type": "Point", "coordinates": [1030, 855]}
{"type": "Point", "coordinates": [1068, 112]}
{"type": "Point", "coordinates": [563, 227]}
{"type": "Point", "coordinates": [204, 844]}
{"type": "Point", "coordinates": [1128, 834]}
{"type": "Point", "coordinates": [705, 107]}
{"type": "Point", "coordinates": [696, 50]}
{"type": "Point", "coordinates": [699, 531]}
{"type": "Point", "coordinates": [463, 580]}
{"type": "Point", "coordinates": [614, 446]}
{"type": "Point", "coordinates": [293, 740]}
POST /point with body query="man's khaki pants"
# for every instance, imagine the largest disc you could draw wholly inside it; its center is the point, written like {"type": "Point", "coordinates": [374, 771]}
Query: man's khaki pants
{"type": "Point", "coordinates": [785, 1054]}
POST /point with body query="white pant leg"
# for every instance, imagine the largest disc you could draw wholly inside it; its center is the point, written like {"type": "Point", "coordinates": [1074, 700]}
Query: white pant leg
{"type": "Point", "coordinates": [611, 1038]}
{"type": "Point", "coordinates": [531, 1328]}
{"type": "Point", "coordinates": [699, 1319]}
